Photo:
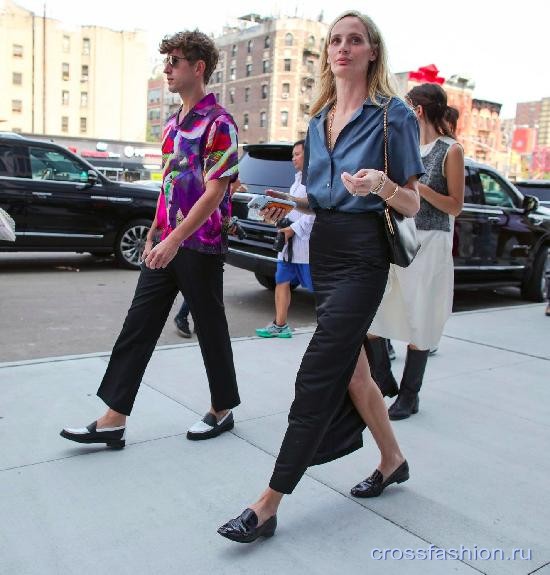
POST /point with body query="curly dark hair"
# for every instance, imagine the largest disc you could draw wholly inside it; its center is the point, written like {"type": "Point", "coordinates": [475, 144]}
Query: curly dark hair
{"type": "Point", "coordinates": [195, 46]}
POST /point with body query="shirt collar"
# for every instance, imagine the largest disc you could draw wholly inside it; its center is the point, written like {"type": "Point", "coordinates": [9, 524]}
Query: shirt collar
{"type": "Point", "coordinates": [202, 107]}
{"type": "Point", "coordinates": [367, 103]}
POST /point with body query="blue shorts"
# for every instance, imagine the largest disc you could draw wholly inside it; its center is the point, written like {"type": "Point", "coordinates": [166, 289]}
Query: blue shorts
{"type": "Point", "coordinates": [296, 274]}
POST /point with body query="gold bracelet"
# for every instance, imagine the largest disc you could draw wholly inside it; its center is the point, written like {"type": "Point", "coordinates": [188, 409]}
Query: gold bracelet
{"type": "Point", "coordinates": [394, 192]}
{"type": "Point", "coordinates": [379, 185]}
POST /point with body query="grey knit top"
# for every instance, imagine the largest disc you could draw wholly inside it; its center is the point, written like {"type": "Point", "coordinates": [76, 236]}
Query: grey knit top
{"type": "Point", "coordinates": [433, 158]}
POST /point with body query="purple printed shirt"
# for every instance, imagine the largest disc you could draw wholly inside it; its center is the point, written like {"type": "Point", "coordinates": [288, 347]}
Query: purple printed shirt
{"type": "Point", "coordinates": [202, 148]}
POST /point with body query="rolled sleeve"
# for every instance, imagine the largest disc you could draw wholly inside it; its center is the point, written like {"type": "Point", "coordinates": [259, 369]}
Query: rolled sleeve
{"type": "Point", "coordinates": [404, 158]}
{"type": "Point", "coordinates": [221, 151]}
{"type": "Point", "coordinates": [302, 227]}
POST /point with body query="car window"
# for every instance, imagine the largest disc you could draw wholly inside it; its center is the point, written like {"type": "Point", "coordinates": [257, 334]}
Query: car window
{"type": "Point", "coordinates": [495, 191]}
{"type": "Point", "coordinates": [12, 161]}
{"type": "Point", "coordinates": [49, 164]}
{"type": "Point", "coordinates": [472, 192]}
{"type": "Point", "coordinates": [266, 172]}
{"type": "Point", "coordinates": [541, 192]}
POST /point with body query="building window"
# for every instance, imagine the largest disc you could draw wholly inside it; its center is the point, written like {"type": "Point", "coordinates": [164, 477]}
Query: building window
{"type": "Point", "coordinates": [84, 73]}
{"type": "Point", "coordinates": [232, 96]}
{"type": "Point", "coordinates": [263, 119]}
{"type": "Point", "coordinates": [17, 51]}
{"type": "Point", "coordinates": [65, 97]}
{"type": "Point", "coordinates": [287, 64]}
{"type": "Point", "coordinates": [217, 97]}
{"type": "Point", "coordinates": [85, 46]}
{"type": "Point", "coordinates": [64, 123]}
{"type": "Point", "coordinates": [286, 89]}
{"type": "Point", "coordinates": [17, 106]}
{"type": "Point", "coordinates": [66, 43]}
{"type": "Point", "coordinates": [249, 46]}
{"type": "Point", "coordinates": [311, 41]}
{"type": "Point", "coordinates": [284, 119]}
{"type": "Point", "coordinates": [219, 77]}
{"type": "Point", "coordinates": [83, 125]}
{"type": "Point", "coordinates": [289, 39]}
{"type": "Point", "coordinates": [65, 71]}
{"type": "Point", "coordinates": [245, 121]}
{"type": "Point", "coordinates": [311, 66]}
{"type": "Point", "coordinates": [233, 50]}
{"type": "Point", "coordinates": [83, 99]}
{"type": "Point", "coordinates": [265, 66]}
{"type": "Point", "coordinates": [246, 94]}
{"type": "Point", "coordinates": [248, 70]}
{"type": "Point", "coordinates": [267, 42]}
{"type": "Point", "coordinates": [17, 78]}
{"type": "Point", "coordinates": [232, 74]}
{"type": "Point", "coordinates": [264, 91]}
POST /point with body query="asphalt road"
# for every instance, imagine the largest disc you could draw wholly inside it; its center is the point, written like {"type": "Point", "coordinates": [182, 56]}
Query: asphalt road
{"type": "Point", "coordinates": [65, 304]}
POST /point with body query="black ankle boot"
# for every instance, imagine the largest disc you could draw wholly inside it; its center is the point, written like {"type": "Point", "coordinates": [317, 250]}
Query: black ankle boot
{"type": "Point", "coordinates": [380, 366]}
{"type": "Point", "coordinates": [406, 403]}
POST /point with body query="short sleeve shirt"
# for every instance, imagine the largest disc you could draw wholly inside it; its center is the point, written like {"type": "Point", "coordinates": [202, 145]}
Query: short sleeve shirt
{"type": "Point", "coordinates": [359, 145]}
{"type": "Point", "coordinates": [202, 148]}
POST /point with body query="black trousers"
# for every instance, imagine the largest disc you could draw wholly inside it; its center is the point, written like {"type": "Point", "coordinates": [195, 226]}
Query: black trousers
{"type": "Point", "coordinates": [199, 277]}
{"type": "Point", "coordinates": [349, 267]}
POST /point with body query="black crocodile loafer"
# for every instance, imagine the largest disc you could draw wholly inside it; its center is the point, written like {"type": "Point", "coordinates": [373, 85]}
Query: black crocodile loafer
{"type": "Point", "coordinates": [374, 485]}
{"type": "Point", "coordinates": [244, 529]}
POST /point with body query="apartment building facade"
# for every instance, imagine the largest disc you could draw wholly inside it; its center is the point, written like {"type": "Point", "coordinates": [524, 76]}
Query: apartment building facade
{"type": "Point", "coordinates": [266, 76]}
{"type": "Point", "coordinates": [87, 81]}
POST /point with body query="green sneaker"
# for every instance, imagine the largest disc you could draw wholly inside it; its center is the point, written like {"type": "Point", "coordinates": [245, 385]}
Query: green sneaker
{"type": "Point", "coordinates": [273, 330]}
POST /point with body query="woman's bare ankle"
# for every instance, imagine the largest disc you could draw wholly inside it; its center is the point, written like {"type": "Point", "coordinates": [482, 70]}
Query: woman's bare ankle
{"type": "Point", "coordinates": [267, 505]}
{"type": "Point", "coordinates": [390, 463]}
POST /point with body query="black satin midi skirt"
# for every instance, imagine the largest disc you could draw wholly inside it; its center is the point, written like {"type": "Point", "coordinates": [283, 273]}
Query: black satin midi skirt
{"type": "Point", "coordinates": [349, 264]}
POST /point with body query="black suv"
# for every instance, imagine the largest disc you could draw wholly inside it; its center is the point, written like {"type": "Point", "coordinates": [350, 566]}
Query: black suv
{"type": "Point", "coordinates": [60, 203]}
{"type": "Point", "coordinates": [501, 238]}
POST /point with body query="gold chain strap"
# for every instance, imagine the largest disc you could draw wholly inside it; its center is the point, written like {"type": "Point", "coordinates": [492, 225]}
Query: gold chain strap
{"type": "Point", "coordinates": [386, 138]}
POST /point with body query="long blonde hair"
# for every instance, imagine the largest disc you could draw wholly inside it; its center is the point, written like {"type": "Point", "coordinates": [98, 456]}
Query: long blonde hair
{"type": "Point", "coordinates": [378, 78]}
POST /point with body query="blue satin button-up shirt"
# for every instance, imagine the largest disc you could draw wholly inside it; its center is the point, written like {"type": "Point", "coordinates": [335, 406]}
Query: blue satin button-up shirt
{"type": "Point", "coordinates": [359, 145]}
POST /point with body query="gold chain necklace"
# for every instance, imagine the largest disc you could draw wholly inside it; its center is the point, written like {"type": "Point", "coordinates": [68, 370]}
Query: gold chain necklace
{"type": "Point", "coordinates": [330, 122]}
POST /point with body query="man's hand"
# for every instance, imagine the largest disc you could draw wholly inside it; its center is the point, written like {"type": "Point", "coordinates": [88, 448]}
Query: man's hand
{"type": "Point", "coordinates": [162, 254]}
{"type": "Point", "coordinates": [147, 249]}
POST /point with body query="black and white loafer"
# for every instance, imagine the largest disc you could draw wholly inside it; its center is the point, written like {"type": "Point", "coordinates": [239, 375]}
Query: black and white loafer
{"type": "Point", "coordinates": [209, 426]}
{"type": "Point", "coordinates": [112, 436]}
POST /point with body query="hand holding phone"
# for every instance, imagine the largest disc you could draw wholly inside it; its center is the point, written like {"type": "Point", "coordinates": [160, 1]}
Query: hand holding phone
{"type": "Point", "coordinates": [268, 203]}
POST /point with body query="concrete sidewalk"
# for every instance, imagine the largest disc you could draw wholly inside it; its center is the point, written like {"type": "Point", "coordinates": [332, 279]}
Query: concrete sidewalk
{"type": "Point", "coordinates": [477, 451]}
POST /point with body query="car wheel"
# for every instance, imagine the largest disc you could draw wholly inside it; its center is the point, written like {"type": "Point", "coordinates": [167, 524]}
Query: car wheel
{"type": "Point", "coordinates": [130, 243]}
{"type": "Point", "coordinates": [266, 281]}
{"type": "Point", "coordinates": [535, 286]}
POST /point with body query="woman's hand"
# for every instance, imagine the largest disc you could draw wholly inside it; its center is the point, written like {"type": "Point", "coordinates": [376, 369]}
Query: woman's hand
{"type": "Point", "coordinates": [278, 195]}
{"type": "Point", "coordinates": [362, 182]}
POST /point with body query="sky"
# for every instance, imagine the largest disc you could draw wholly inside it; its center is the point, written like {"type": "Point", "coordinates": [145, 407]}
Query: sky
{"type": "Point", "coordinates": [503, 49]}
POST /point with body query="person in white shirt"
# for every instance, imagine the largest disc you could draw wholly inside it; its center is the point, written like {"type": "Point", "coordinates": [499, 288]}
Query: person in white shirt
{"type": "Point", "coordinates": [293, 260]}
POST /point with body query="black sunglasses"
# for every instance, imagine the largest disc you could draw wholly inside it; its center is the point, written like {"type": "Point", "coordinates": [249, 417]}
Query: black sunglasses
{"type": "Point", "coordinates": [173, 60]}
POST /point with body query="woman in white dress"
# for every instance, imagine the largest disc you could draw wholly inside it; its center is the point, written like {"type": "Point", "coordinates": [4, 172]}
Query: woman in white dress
{"type": "Point", "coordinates": [418, 299]}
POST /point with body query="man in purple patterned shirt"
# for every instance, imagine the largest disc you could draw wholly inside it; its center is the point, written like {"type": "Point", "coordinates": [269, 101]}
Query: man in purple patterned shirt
{"type": "Point", "coordinates": [199, 150]}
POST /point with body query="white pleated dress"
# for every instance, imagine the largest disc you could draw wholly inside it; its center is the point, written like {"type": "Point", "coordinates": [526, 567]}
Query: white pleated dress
{"type": "Point", "coordinates": [419, 299]}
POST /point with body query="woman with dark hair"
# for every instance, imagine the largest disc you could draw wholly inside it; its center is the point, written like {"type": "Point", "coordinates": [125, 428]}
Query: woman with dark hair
{"type": "Point", "coordinates": [419, 299]}
{"type": "Point", "coordinates": [451, 117]}
{"type": "Point", "coordinates": [347, 189]}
